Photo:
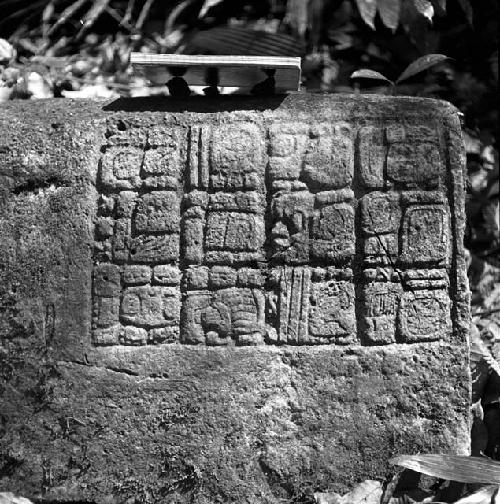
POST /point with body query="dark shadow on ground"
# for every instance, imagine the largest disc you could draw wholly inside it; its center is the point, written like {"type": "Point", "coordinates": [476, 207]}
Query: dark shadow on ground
{"type": "Point", "coordinates": [201, 104]}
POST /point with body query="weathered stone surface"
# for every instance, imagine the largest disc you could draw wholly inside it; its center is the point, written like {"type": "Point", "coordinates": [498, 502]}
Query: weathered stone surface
{"type": "Point", "coordinates": [231, 300]}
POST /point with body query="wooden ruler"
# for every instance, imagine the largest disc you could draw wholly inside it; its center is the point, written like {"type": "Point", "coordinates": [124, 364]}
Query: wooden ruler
{"type": "Point", "coordinates": [254, 74]}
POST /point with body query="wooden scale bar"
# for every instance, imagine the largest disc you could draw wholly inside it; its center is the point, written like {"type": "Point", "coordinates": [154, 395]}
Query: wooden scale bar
{"type": "Point", "coordinates": [254, 74]}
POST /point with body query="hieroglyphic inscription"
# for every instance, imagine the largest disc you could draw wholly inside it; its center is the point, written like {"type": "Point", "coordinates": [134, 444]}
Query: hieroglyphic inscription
{"type": "Point", "coordinates": [286, 233]}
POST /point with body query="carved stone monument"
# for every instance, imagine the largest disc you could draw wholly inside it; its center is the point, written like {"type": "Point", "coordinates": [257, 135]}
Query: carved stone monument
{"type": "Point", "coordinates": [238, 300]}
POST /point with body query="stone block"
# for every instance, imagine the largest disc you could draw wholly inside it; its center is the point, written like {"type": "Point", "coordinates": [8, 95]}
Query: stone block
{"type": "Point", "coordinates": [380, 301]}
{"type": "Point", "coordinates": [424, 315]}
{"type": "Point", "coordinates": [196, 199]}
{"type": "Point", "coordinates": [161, 167]}
{"type": "Point", "coordinates": [287, 147]}
{"type": "Point", "coordinates": [372, 156]}
{"type": "Point", "coordinates": [198, 162]}
{"type": "Point", "coordinates": [332, 233]}
{"type": "Point", "coordinates": [136, 274]}
{"type": "Point", "coordinates": [237, 157]}
{"type": "Point", "coordinates": [425, 235]}
{"type": "Point", "coordinates": [220, 277]}
{"type": "Point", "coordinates": [395, 133]}
{"type": "Point", "coordinates": [329, 158]}
{"type": "Point", "coordinates": [332, 316]}
{"type": "Point", "coordinates": [291, 214]}
{"type": "Point", "coordinates": [234, 232]}
{"type": "Point", "coordinates": [125, 204]}
{"type": "Point", "coordinates": [229, 300]}
{"type": "Point", "coordinates": [292, 304]}
{"type": "Point", "coordinates": [106, 205]}
{"type": "Point", "coordinates": [125, 132]}
{"type": "Point", "coordinates": [156, 212]}
{"type": "Point", "coordinates": [121, 167]}
{"type": "Point", "coordinates": [223, 316]}
{"type": "Point", "coordinates": [161, 335]}
{"type": "Point", "coordinates": [106, 311]}
{"type": "Point", "coordinates": [426, 279]}
{"type": "Point", "coordinates": [106, 280]}
{"type": "Point", "coordinates": [154, 249]}
{"type": "Point", "coordinates": [324, 198]}
{"type": "Point", "coordinates": [121, 240]}
{"type": "Point", "coordinates": [192, 235]}
{"type": "Point", "coordinates": [133, 336]}
{"type": "Point", "coordinates": [380, 213]}
{"type": "Point", "coordinates": [381, 249]}
{"type": "Point", "coordinates": [249, 277]}
{"type": "Point", "coordinates": [104, 228]}
{"type": "Point", "coordinates": [166, 274]}
{"type": "Point", "coordinates": [238, 201]}
{"type": "Point", "coordinates": [196, 277]}
{"type": "Point", "coordinates": [414, 165]}
{"type": "Point", "coordinates": [106, 336]}
{"type": "Point", "coordinates": [193, 307]}
{"type": "Point", "coordinates": [150, 306]}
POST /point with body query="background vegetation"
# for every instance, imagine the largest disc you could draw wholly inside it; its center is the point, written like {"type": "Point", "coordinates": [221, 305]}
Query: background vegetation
{"type": "Point", "coordinates": [81, 48]}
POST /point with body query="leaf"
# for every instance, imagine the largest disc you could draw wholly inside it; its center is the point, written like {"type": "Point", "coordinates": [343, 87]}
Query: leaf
{"type": "Point", "coordinates": [66, 14]}
{"type": "Point", "coordinates": [452, 467]}
{"type": "Point", "coordinates": [418, 29]}
{"type": "Point", "coordinates": [479, 350]}
{"type": "Point", "coordinates": [143, 14]}
{"type": "Point", "coordinates": [389, 13]}
{"type": "Point", "coordinates": [341, 40]}
{"type": "Point", "coordinates": [367, 9]}
{"type": "Point", "coordinates": [26, 13]}
{"type": "Point", "coordinates": [95, 11]}
{"type": "Point", "coordinates": [128, 13]}
{"type": "Point", "coordinates": [425, 8]}
{"type": "Point", "coordinates": [174, 14]}
{"type": "Point", "coordinates": [37, 86]}
{"type": "Point", "coordinates": [327, 498]}
{"type": "Point", "coordinates": [421, 64]}
{"type": "Point", "coordinates": [48, 12]}
{"type": "Point", "coordinates": [7, 51]}
{"type": "Point", "coordinates": [297, 16]}
{"type": "Point", "coordinates": [316, 22]}
{"type": "Point", "coordinates": [467, 8]}
{"type": "Point", "coordinates": [97, 91]}
{"type": "Point", "coordinates": [481, 496]}
{"type": "Point", "coordinates": [244, 41]}
{"type": "Point", "coordinates": [365, 73]}
{"type": "Point", "coordinates": [10, 498]}
{"type": "Point", "coordinates": [440, 5]}
{"type": "Point", "coordinates": [207, 5]}
{"type": "Point", "coordinates": [367, 492]}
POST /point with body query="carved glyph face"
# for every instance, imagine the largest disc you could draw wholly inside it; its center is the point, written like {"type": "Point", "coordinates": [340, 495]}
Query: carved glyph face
{"type": "Point", "coordinates": [291, 219]}
{"type": "Point", "coordinates": [240, 233]}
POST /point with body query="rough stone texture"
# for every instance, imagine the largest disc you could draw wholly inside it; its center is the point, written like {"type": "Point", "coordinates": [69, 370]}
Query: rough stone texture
{"type": "Point", "coordinates": [232, 300]}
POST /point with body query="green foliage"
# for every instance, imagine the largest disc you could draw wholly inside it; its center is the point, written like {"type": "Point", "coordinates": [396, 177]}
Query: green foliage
{"type": "Point", "coordinates": [421, 64]}
{"type": "Point", "coordinates": [418, 66]}
{"type": "Point", "coordinates": [368, 10]}
{"type": "Point", "coordinates": [365, 73]}
{"type": "Point", "coordinates": [453, 467]}
{"type": "Point", "coordinates": [389, 11]}
{"type": "Point", "coordinates": [392, 12]}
